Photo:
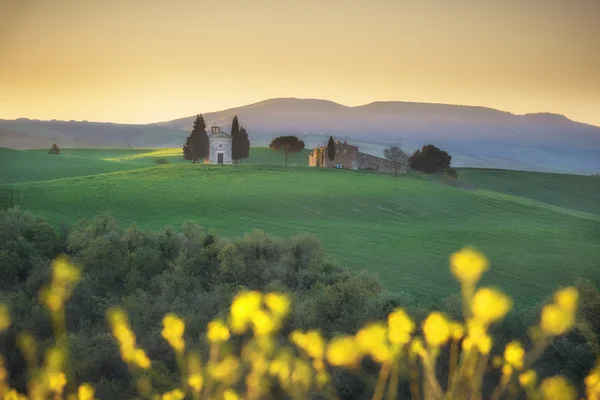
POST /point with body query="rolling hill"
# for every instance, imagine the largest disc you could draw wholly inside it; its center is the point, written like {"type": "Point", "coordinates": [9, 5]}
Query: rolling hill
{"type": "Point", "coordinates": [539, 230]}
{"type": "Point", "coordinates": [474, 136]}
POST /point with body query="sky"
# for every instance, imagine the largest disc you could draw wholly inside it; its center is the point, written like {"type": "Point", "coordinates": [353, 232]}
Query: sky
{"type": "Point", "coordinates": [142, 61]}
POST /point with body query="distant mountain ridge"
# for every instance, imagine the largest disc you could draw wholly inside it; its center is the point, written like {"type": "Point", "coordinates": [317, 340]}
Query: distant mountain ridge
{"type": "Point", "coordinates": [475, 136]}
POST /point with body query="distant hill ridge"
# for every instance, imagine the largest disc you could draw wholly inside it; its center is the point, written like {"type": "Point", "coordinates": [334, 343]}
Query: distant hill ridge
{"type": "Point", "coordinates": [475, 136]}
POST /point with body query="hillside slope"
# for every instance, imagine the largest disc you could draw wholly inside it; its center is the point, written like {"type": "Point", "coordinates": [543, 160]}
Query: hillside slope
{"type": "Point", "coordinates": [400, 228]}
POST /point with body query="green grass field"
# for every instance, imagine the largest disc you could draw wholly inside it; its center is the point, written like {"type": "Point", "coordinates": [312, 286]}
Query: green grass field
{"type": "Point", "coordinates": [540, 231]}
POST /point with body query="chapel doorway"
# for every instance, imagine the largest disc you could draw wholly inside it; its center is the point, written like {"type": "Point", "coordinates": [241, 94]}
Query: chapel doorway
{"type": "Point", "coordinates": [220, 158]}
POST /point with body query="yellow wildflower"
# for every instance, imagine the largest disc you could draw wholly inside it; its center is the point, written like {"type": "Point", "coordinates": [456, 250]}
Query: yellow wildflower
{"type": "Point", "coordinates": [400, 327]}
{"type": "Point", "coordinates": [226, 370]}
{"type": "Point", "coordinates": [343, 352]}
{"type": "Point", "coordinates": [63, 272]}
{"type": "Point", "coordinates": [311, 342]}
{"type": "Point", "coordinates": [278, 303]}
{"type": "Point", "coordinates": [230, 395]}
{"type": "Point", "coordinates": [196, 382]}
{"type": "Point", "coordinates": [477, 337]}
{"type": "Point", "coordinates": [507, 369]}
{"type": "Point", "coordinates": [457, 330]}
{"type": "Point", "coordinates": [141, 359]}
{"type": "Point", "coordinates": [12, 394]}
{"type": "Point", "coordinates": [85, 392]}
{"type": "Point", "coordinates": [57, 382]}
{"type": "Point", "coordinates": [556, 320]}
{"type": "Point", "coordinates": [416, 347]}
{"type": "Point", "coordinates": [567, 299]}
{"type": "Point", "coordinates": [176, 394]}
{"type": "Point", "coordinates": [217, 331]}
{"type": "Point", "coordinates": [436, 329]}
{"type": "Point", "coordinates": [263, 323]}
{"type": "Point", "coordinates": [243, 307]}
{"type": "Point", "coordinates": [557, 388]}
{"type": "Point", "coordinates": [468, 265]}
{"type": "Point", "coordinates": [4, 318]}
{"type": "Point", "coordinates": [372, 340]}
{"type": "Point", "coordinates": [528, 378]}
{"type": "Point", "coordinates": [490, 305]}
{"type": "Point", "coordinates": [513, 354]}
{"type": "Point", "coordinates": [173, 329]}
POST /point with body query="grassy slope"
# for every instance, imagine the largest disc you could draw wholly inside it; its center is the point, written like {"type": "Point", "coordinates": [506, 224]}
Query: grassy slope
{"type": "Point", "coordinates": [404, 228]}
{"type": "Point", "coordinates": [34, 165]}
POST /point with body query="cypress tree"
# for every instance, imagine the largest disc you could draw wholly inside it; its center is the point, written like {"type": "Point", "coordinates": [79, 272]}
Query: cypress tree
{"type": "Point", "coordinates": [244, 144]}
{"type": "Point", "coordinates": [236, 143]}
{"type": "Point", "coordinates": [196, 145]}
{"type": "Point", "coordinates": [331, 149]}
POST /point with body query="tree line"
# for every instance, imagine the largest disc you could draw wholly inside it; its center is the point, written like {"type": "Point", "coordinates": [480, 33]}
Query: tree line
{"type": "Point", "coordinates": [196, 146]}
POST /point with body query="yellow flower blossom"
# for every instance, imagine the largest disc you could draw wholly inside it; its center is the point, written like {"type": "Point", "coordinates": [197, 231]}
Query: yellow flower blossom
{"type": "Point", "coordinates": [226, 370]}
{"type": "Point", "coordinates": [343, 352]}
{"type": "Point", "coordinates": [490, 305]}
{"type": "Point", "coordinates": [400, 327]}
{"type": "Point", "coordinates": [176, 394]}
{"type": "Point", "coordinates": [416, 347]}
{"type": "Point", "coordinates": [514, 354]}
{"type": "Point", "coordinates": [436, 329]}
{"type": "Point", "coordinates": [4, 318]}
{"type": "Point", "coordinates": [528, 378]}
{"type": "Point", "coordinates": [141, 359]}
{"type": "Point", "coordinates": [64, 273]}
{"type": "Point", "coordinates": [311, 342]}
{"type": "Point", "coordinates": [278, 303]}
{"type": "Point", "coordinates": [557, 388]}
{"type": "Point", "coordinates": [56, 382]}
{"type": "Point", "coordinates": [477, 337]}
{"type": "Point", "coordinates": [263, 323]}
{"type": "Point", "coordinates": [196, 382]}
{"type": "Point", "coordinates": [456, 330]}
{"type": "Point", "coordinates": [567, 299]}
{"type": "Point", "coordinates": [507, 369]}
{"type": "Point", "coordinates": [468, 265]}
{"type": "Point", "coordinates": [556, 320]}
{"type": "Point", "coordinates": [12, 394]}
{"type": "Point", "coordinates": [372, 340]}
{"type": "Point", "coordinates": [243, 307]}
{"type": "Point", "coordinates": [230, 395]}
{"type": "Point", "coordinates": [173, 329]}
{"type": "Point", "coordinates": [85, 392]}
{"type": "Point", "coordinates": [217, 331]}
{"type": "Point", "coordinates": [301, 376]}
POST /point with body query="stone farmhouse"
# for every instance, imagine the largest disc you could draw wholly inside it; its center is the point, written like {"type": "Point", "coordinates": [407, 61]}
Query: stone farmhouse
{"type": "Point", "coordinates": [347, 156]}
{"type": "Point", "coordinates": [219, 144]}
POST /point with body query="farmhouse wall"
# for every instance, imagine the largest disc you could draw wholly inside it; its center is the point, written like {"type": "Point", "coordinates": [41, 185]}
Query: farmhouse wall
{"type": "Point", "coordinates": [367, 161]}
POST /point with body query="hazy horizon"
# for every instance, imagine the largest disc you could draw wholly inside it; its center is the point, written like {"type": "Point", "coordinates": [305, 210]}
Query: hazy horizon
{"type": "Point", "coordinates": [136, 61]}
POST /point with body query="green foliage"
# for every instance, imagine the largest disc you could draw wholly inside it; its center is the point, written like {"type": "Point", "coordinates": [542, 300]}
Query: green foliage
{"type": "Point", "coordinates": [429, 159]}
{"type": "Point", "coordinates": [196, 145]}
{"type": "Point", "coordinates": [331, 149]}
{"type": "Point", "coordinates": [287, 144]}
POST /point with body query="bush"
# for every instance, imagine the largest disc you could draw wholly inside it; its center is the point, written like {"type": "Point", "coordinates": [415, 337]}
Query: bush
{"type": "Point", "coordinates": [449, 174]}
{"type": "Point", "coordinates": [429, 159]}
{"type": "Point", "coordinates": [196, 275]}
{"type": "Point", "coordinates": [162, 161]}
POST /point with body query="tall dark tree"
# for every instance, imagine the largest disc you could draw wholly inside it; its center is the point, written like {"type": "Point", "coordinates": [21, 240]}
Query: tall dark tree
{"type": "Point", "coordinates": [331, 149]}
{"type": "Point", "coordinates": [397, 157]}
{"type": "Point", "coordinates": [236, 142]}
{"type": "Point", "coordinates": [196, 145]}
{"type": "Point", "coordinates": [54, 149]}
{"type": "Point", "coordinates": [244, 144]}
{"type": "Point", "coordinates": [287, 144]}
{"type": "Point", "coordinates": [430, 159]}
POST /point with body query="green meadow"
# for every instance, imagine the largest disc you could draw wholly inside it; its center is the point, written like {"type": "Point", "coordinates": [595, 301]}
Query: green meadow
{"type": "Point", "coordinates": [540, 231]}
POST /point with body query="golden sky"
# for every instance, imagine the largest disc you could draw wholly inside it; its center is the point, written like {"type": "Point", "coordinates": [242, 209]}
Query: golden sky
{"type": "Point", "coordinates": [139, 61]}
